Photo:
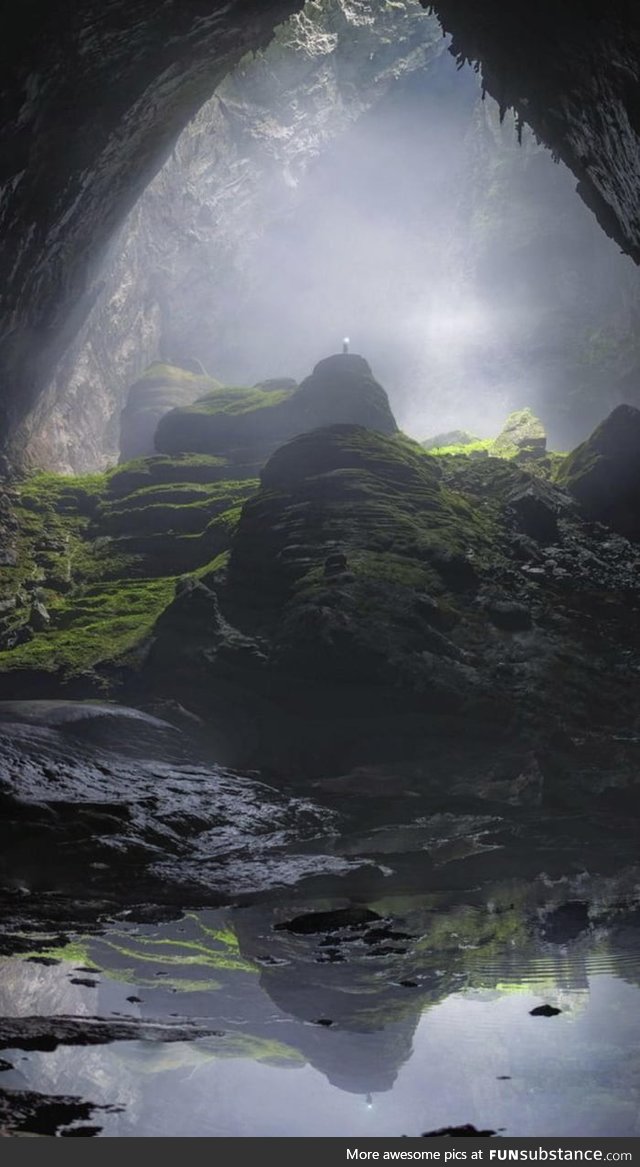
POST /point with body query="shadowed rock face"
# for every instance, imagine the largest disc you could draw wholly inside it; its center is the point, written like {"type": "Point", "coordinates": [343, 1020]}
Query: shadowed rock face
{"type": "Point", "coordinates": [603, 473]}
{"type": "Point", "coordinates": [572, 71]}
{"type": "Point", "coordinates": [93, 101]}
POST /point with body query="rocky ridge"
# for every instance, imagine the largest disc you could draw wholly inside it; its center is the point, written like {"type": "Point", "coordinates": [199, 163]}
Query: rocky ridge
{"type": "Point", "coordinates": [346, 610]}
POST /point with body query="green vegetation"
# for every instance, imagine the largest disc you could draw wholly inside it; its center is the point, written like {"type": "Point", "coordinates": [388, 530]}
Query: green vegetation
{"type": "Point", "coordinates": [478, 444]}
{"type": "Point", "coordinates": [99, 555]}
{"type": "Point", "coordinates": [235, 401]}
{"type": "Point", "coordinates": [164, 469]}
{"type": "Point", "coordinates": [99, 625]}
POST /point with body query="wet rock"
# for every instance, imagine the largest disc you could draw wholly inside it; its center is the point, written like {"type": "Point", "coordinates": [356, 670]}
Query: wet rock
{"type": "Point", "coordinates": [135, 814]}
{"type": "Point", "coordinates": [544, 1011]}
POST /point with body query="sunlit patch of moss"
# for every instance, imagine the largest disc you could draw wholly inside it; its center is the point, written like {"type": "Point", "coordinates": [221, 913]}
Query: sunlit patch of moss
{"type": "Point", "coordinates": [144, 512]}
{"type": "Point", "coordinates": [209, 571]}
{"type": "Point", "coordinates": [105, 623]}
{"type": "Point", "coordinates": [480, 444]}
{"type": "Point", "coordinates": [65, 494]}
{"type": "Point", "coordinates": [238, 400]}
{"type": "Point", "coordinates": [164, 469]}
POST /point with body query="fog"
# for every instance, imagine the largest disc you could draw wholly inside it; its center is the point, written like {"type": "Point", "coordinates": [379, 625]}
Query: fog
{"type": "Point", "coordinates": [460, 262]}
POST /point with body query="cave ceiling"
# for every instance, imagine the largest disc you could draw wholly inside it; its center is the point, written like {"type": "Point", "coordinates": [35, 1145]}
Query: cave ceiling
{"type": "Point", "coordinates": [94, 96]}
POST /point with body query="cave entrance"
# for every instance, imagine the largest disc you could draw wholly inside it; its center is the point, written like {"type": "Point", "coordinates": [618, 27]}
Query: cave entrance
{"type": "Point", "coordinates": [351, 180]}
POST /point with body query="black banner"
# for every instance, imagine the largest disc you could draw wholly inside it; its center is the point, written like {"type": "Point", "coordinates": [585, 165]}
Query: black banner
{"type": "Point", "coordinates": [341, 1152]}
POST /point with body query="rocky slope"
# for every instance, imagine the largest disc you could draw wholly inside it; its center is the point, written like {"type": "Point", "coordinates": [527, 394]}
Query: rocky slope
{"type": "Point", "coordinates": [366, 607]}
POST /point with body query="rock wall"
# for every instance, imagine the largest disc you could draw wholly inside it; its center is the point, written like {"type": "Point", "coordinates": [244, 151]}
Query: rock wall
{"type": "Point", "coordinates": [236, 167]}
{"type": "Point", "coordinates": [93, 100]}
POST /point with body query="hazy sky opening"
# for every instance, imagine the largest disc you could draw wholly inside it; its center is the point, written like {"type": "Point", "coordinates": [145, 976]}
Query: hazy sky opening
{"type": "Point", "coordinates": [461, 264]}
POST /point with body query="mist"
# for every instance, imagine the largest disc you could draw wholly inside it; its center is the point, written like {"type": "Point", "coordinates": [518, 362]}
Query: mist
{"type": "Point", "coordinates": [458, 260]}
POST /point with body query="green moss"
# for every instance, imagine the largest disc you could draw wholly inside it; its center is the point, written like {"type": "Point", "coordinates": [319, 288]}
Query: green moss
{"type": "Point", "coordinates": [146, 511]}
{"type": "Point", "coordinates": [45, 491]}
{"type": "Point", "coordinates": [164, 469]}
{"type": "Point", "coordinates": [236, 401]}
{"type": "Point", "coordinates": [468, 448]}
{"type": "Point", "coordinates": [103, 624]}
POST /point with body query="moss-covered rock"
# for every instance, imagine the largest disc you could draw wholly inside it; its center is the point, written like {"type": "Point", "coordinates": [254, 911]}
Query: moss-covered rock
{"type": "Point", "coordinates": [342, 573]}
{"type": "Point", "coordinates": [247, 425]}
{"type": "Point", "coordinates": [523, 434]}
{"type": "Point", "coordinates": [603, 473]}
{"type": "Point", "coordinates": [160, 388]}
{"type": "Point", "coordinates": [94, 562]}
{"type": "Point", "coordinates": [164, 470]}
{"type": "Point", "coordinates": [341, 610]}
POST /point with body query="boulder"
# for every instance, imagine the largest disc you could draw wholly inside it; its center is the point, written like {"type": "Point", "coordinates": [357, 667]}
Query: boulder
{"type": "Point", "coordinates": [161, 387]}
{"type": "Point", "coordinates": [338, 556]}
{"type": "Point", "coordinates": [534, 511]}
{"type": "Point", "coordinates": [342, 390]}
{"type": "Point", "coordinates": [522, 434]}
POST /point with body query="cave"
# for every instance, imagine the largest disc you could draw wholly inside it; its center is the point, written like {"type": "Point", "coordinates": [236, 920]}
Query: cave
{"type": "Point", "coordinates": [319, 570]}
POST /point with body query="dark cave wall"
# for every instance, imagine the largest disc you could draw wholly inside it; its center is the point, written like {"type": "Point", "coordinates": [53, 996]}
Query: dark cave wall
{"type": "Point", "coordinates": [572, 72]}
{"type": "Point", "coordinates": [93, 96]}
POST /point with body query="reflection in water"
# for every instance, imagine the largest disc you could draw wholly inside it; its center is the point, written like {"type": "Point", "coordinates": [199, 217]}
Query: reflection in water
{"type": "Point", "coordinates": [412, 1015]}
